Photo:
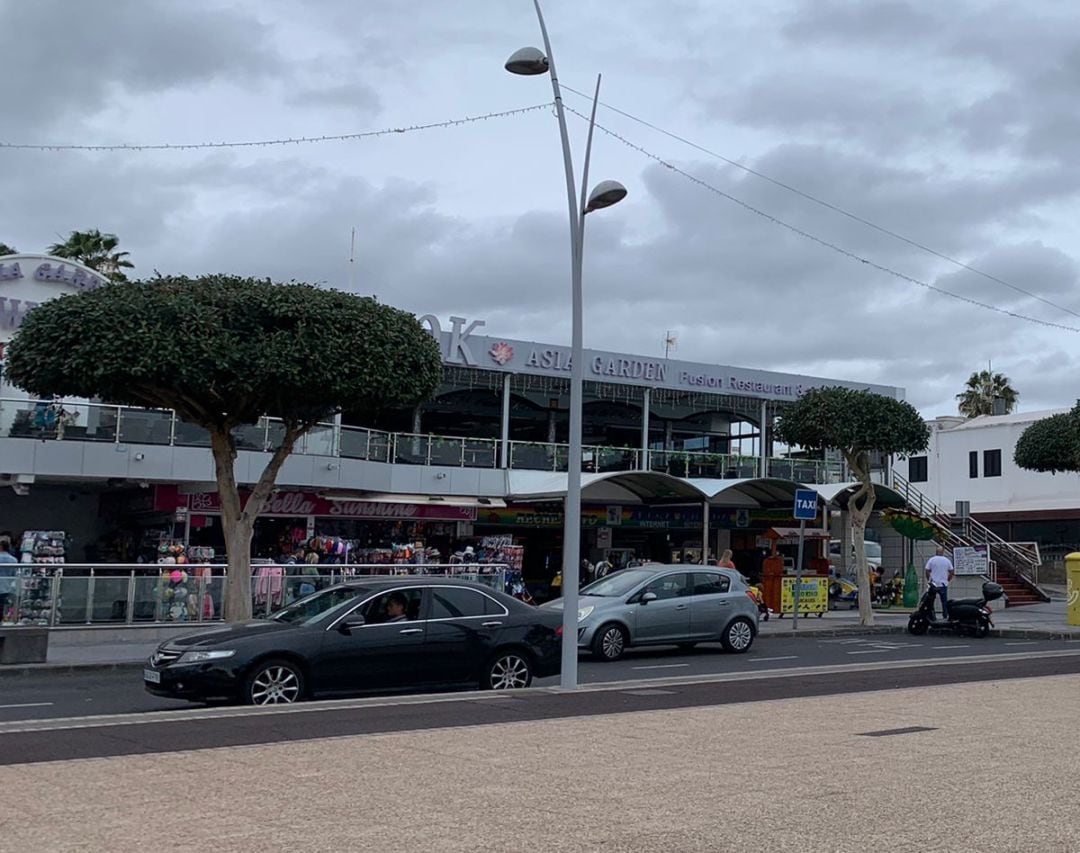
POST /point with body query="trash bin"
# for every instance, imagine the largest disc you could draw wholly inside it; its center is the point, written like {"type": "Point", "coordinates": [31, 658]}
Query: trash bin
{"type": "Point", "coordinates": [1072, 576]}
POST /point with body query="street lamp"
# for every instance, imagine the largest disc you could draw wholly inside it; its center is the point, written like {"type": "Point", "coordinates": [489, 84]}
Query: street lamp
{"type": "Point", "coordinates": [530, 61]}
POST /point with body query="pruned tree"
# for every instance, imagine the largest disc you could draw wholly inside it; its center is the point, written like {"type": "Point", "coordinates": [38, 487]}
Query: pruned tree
{"type": "Point", "coordinates": [856, 423]}
{"type": "Point", "coordinates": [97, 251]}
{"type": "Point", "coordinates": [982, 389]}
{"type": "Point", "coordinates": [1051, 444]}
{"type": "Point", "coordinates": [223, 352]}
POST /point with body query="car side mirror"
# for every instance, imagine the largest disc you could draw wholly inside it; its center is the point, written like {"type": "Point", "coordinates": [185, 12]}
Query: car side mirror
{"type": "Point", "coordinates": [346, 626]}
{"type": "Point", "coordinates": [646, 597]}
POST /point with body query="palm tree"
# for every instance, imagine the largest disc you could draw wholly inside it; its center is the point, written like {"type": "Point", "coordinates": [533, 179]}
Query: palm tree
{"type": "Point", "coordinates": [983, 387]}
{"type": "Point", "coordinates": [97, 251]}
{"type": "Point", "coordinates": [5, 249]}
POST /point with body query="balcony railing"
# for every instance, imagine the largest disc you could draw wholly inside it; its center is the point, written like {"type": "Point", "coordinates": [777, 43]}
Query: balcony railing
{"type": "Point", "coordinates": [124, 425]}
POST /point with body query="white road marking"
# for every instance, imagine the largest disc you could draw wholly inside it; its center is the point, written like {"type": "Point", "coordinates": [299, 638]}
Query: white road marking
{"type": "Point", "coordinates": [951, 647]}
{"type": "Point", "coordinates": [662, 666]}
{"type": "Point", "coordinates": [28, 705]}
{"type": "Point", "coordinates": [778, 657]}
{"type": "Point", "coordinates": [872, 652]}
{"type": "Point", "coordinates": [1023, 643]}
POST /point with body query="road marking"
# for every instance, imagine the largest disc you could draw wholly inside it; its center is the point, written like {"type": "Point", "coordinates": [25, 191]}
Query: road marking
{"type": "Point", "coordinates": [28, 705]}
{"type": "Point", "coordinates": [133, 719]}
{"type": "Point", "coordinates": [778, 657]}
{"type": "Point", "coordinates": [872, 652]}
{"type": "Point", "coordinates": [662, 666]}
{"type": "Point", "coordinates": [1023, 643]}
{"type": "Point", "coordinates": [952, 647]}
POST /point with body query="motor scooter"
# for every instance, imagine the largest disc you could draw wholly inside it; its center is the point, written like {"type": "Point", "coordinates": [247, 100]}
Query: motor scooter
{"type": "Point", "coordinates": [968, 616]}
{"type": "Point", "coordinates": [755, 593]}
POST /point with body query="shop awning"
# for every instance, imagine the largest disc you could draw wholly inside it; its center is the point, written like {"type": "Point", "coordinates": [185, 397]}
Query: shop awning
{"type": "Point", "coordinates": [840, 493]}
{"type": "Point", "coordinates": [420, 500]}
{"type": "Point", "coordinates": [612, 486]}
{"type": "Point", "coordinates": [786, 535]}
{"type": "Point", "coordinates": [750, 493]}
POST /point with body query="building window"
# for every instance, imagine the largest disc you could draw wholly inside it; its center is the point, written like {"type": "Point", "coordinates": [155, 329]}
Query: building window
{"type": "Point", "coordinates": [916, 469]}
{"type": "Point", "coordinates": [991, 463]}
{"type": "Point", "coordinates": [973, 464]}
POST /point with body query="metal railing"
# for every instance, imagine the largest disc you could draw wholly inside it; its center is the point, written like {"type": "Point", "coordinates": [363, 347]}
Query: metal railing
{"type": "Point", "coordinates": [1020, 560]}
{"type": "Point", "coordinates": [69, 594]}
{"type": "Point", "coordinates": [125, 425]}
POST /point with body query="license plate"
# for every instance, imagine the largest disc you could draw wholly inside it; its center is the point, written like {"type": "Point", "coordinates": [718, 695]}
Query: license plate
{"type": "Point", "coordinates": [151, 676]}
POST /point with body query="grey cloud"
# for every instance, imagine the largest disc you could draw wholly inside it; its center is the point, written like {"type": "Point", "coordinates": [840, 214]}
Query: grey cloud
{"type": "Point", "coordinates": [354, 97]}
{"type": "Point", "coordinates": [840, 22]}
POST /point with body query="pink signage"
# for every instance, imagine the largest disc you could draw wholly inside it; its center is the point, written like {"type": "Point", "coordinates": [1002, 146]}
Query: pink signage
{"type": "Point", "coordinates": [296, 504]}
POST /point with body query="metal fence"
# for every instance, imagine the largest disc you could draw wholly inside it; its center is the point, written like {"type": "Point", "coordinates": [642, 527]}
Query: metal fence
{"type": "Point", "coordinates": [51, 595]}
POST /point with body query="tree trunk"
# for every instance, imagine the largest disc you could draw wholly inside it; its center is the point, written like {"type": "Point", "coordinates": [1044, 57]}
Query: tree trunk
{"type": "Point", "coordinates": [860, 507]}
{"type": "Point", "coordinates": [237, 518]}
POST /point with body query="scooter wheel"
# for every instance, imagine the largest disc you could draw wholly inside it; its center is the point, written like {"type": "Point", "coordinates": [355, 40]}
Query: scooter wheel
{"type": "Point", "coordinates": [982, 629]}
{"type": "Point", "coordinates": [918, 627]}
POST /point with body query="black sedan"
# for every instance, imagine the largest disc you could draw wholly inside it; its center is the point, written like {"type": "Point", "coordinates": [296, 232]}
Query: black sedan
{"type": "Point", "coordinates": [372, 635]}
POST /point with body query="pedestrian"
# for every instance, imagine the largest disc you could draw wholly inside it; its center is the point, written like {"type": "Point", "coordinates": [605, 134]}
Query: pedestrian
{"type": "Point", "coordinates": [8, 572]}
{"type": "Point", "coordinates": [939, 574]}
{"type": "Point", "coordinates": [725, 560]}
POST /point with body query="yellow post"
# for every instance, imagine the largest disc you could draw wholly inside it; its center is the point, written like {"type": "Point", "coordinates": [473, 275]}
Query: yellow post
{"type": "Point", "coordinates": [1072, 572]}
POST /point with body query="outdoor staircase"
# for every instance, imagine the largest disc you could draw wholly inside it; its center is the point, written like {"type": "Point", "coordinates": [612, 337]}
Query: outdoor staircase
{"type": "Point", "coordinates": [1012, 565]}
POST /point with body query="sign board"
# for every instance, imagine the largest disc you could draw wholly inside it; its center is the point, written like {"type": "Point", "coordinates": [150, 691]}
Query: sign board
{"type": "Point", "coordinates": [813, 595]}
{"type": "Point", "coordinates": [603, 538]}
{"type": "Point", "coordinates": [972, 561]}
{"type": "Point", "coordinates": [806, 504]}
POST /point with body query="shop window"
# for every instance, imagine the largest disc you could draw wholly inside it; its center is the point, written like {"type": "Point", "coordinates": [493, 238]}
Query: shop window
{"type": "Point", "coordinates": [991, 463]}
{"type": "Point", "coordinates": [454, 603]}
{"type": "Point", "coordinates": [917, 469]}
{"type": "Point", "coordinates": [973, 464]}
{"type": "Point", "coordinates": [711, 583]}
{"type": "Point", "coordinates": [670, 586]}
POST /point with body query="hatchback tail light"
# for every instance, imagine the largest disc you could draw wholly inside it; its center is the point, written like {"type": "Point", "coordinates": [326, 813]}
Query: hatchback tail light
{"type": "Point", "coordinates": [558, 632]}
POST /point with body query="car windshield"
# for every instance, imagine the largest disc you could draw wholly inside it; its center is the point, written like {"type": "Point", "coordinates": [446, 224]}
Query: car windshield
{"type": "Point", "coordinates": [873, 550]}
{"type": "Point", "coordinates": [314, 606]}
{"type": "Point", "coordinates": [618, 583]}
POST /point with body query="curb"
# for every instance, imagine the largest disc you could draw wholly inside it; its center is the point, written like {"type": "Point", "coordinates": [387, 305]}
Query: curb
{"type": "Point", "coordinates": [852, 631]}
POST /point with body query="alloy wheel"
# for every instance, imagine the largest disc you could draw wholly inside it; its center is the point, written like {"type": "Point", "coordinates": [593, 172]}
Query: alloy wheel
{"type": "Point", "coordinates": [275, 685]}
{"type": "Point", "coordinates": [613, 643]}
{"type": "Point", "coordinates": [740, 636]}
{"type": "Point", "coordinates": [510, 672]}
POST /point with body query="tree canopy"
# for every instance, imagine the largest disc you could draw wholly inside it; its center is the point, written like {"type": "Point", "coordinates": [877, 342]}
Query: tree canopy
{"type": "Point", "coordinates": [853, 422]}
{"type": "Point", "coordinates": [1051, 444]}
{"type": "Point", "coordinates": [95, 250]}
{"type": "Point", "coordinates": [5, 249]}
{"type": "Point", "coordinates": [224, 351]}
{"type": "Point", "coordinates": [983, 387]}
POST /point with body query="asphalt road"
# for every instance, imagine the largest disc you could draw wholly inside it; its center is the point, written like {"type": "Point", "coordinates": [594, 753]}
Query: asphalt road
{"type": "Point", "coordinates": [51, 696]}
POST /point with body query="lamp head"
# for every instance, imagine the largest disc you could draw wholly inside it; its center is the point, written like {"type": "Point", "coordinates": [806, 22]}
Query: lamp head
{"type": "Point", "coordinates": [528, 61]}
{"type": "Point", "coordinates": [605, 194]}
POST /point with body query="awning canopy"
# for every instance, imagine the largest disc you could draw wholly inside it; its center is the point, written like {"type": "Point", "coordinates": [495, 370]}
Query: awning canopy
{"type": "Point", "coordinates": [753, 492]}
{"type": "Point", "coordinates": [417, 500]}
{"type": "Point", "coordinates": [613, 486]}
{"type": "Point", "coordinates": [792, 533]}
{"type": "Point", "coordinates": [840, 493]}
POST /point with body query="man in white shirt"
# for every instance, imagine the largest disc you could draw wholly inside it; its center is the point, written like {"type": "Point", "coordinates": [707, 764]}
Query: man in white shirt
{"type": "Point", "coordinates": [939, 573]}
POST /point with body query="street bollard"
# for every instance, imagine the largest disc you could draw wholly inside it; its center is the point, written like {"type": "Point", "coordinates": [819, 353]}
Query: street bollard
{"type": "Point", "coordinates": [1072, 577]}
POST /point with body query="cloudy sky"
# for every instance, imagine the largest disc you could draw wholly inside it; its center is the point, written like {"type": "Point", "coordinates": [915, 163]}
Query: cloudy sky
{"type": "Point", "coordinates": [952, 124]}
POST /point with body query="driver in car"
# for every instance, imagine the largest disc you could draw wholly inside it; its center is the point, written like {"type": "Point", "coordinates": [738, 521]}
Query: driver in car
{"type": "Point", "coordinates": [395, 607]}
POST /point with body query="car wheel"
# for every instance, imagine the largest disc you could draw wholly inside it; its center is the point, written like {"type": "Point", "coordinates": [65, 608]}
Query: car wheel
{"type": "Point", "coordinates": [610, 642]}
{"type": "Point", "coordinates": [738, 636]}
{"type": "Point", "coordinates": [274, 682]}
{"type": "Point", "coordinates": [509, 670]}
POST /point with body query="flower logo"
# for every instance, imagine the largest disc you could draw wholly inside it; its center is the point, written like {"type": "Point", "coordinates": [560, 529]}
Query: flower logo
{"type": "Point", "coordinates": [501, 353]}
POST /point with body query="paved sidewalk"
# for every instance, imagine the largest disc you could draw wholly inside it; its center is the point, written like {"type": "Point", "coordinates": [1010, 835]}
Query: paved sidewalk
{"type": "Point", "coordinates": [789, 775]}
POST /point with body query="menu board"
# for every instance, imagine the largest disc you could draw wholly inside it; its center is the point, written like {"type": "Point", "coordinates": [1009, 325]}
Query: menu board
{"type": "Point", "coordinates": [972, 561]}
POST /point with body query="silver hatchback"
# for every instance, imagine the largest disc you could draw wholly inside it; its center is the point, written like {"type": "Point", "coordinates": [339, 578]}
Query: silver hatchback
{"type": "Point", "coordinates": [658, 605]}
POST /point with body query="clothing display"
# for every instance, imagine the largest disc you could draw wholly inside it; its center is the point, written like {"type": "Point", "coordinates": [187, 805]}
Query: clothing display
{"type": "Point", "coordinates": [43, 546]}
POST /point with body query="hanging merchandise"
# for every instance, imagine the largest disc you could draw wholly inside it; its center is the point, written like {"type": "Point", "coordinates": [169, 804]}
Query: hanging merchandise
{"type": "Point", "coordinates": [43, 546]}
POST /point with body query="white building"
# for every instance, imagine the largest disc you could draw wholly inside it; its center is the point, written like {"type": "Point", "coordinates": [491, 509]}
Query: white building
{"type": "Point", "coordinates": [972, 460]}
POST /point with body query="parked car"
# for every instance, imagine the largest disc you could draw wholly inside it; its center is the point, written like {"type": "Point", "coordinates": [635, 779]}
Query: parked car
{"type": "Point", "coordinates": [368, 636]}
{"type": "Point", "coordinates": [658, 605]}
{"type": "Point", "coordinates": [870, 548]}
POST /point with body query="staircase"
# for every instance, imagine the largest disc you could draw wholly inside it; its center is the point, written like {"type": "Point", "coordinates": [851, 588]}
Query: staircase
{"type": "Point", "coordinates": [1011, 565]}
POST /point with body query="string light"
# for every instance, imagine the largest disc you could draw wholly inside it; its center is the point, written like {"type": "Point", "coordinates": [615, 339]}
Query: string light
{"type": "Point", "coordinates": [296, 140]}
{"type": "Point", "coordinates": [825, 243]}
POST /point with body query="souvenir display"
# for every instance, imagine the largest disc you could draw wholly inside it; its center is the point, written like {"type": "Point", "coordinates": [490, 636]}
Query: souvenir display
{"type": "Point", "coordinates": [43, 546]}
{"type": "Point", "coordinates": [181, 582]}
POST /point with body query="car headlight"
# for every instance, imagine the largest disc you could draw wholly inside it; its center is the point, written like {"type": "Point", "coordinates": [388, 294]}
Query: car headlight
{"type": "Point", "coordinates": [199, 657]}
{"type": "Point", "coordinates": [583, 613]}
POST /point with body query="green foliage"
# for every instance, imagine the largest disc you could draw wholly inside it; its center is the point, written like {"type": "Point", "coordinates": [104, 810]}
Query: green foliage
{"type": "Point", "coordinates": [224, 350]}
{"type": "Point", "coordinates": [1052, 444]}
{"type": "Point", "coordinates": [982, 388]}
{"type": "Point", "coordinates": [95, 250]}
{"type": "Point", "coordinates": [5, 249]}
{"type": "Point", "coordinates": [853, 422]}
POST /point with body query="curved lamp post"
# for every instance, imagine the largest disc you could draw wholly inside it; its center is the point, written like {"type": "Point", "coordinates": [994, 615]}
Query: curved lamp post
{"type": "Point", "coordinates": [530, 61]}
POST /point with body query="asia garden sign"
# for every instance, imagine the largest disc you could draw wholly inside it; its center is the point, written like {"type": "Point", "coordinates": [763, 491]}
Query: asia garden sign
{"type": "Point", "coordinates": [464, 345]}
{"type": "Point", "coordinates": [28, 280]}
